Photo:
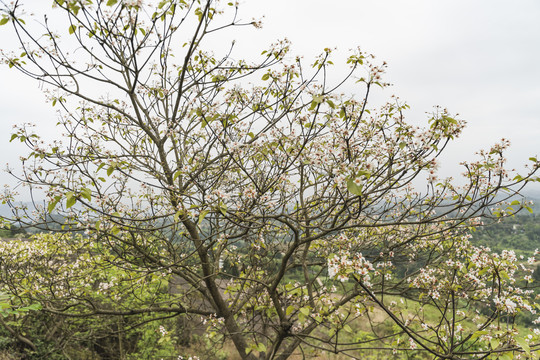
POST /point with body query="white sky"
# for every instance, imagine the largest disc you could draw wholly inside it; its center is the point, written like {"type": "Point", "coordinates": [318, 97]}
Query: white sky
{"type": "Point", "coordinates": [478, 58]}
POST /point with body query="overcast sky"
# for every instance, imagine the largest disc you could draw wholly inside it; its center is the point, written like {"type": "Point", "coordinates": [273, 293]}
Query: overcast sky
{"type": "Point", "coordinates": [478, 58]}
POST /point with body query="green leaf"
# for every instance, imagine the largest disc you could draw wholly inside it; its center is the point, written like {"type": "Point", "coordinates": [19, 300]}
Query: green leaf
{"type": "Point", "coordinates": [86, 194]}
{"type": "Point", "coordinates": [494, 342]}
{"type": "Point", "coordinates": [13, 137]}
{"type": "Point", "coordinates": [111, 2]}
{"type": "Point", "coordinates": [202, 215]}
{"type": "Point", "coordinates": [111, 169]}
{"type": "Point", "coordinates": [318, 99]}
{"type": "Point", "coordinates": [289, 310]}
{"type": "Point", "coordinates": [72, 29]}
{"type": "Point", "coordinates": [71, 199]}
{"type": "Point", "coordinates": [331, 104]}
{"type": "Point", "coordinates": [478, 334]}
{"type": "Point", "coordinates": [4, 21]}
{"type": "Point", "coordinates": [483, 271]}
{"type": "Point", "coordinates": [34, 307]}
{"type": "Point", "coordinates": [353, 188]}
{"type": "Point", "coordinates": [52, 204]}
{"type": "Point", "coordinates": [524, 345]}
{"type": "Point", "coordinates": [223, 209]}
{"type": "Point", "coordinates": [305, 311]}
{"type": "Point", "coordinates": [515, 202]}
{"type": "Point", "coordinates": [74, 8]}
{"type": "Point", "coordinates": [266, 77]}
{"type": "Point", "coordinates": [261, 347]}
{"type": "Point", "coordinates": [365, 173]}
{"type": "Point", "coordinates": [177, 215]}
{"type": "Point", "coordinates": [203, 122]}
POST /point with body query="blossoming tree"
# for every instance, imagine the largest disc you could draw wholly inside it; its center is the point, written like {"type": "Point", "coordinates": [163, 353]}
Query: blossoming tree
{"type": "Point", "coordinates": [283, 209]}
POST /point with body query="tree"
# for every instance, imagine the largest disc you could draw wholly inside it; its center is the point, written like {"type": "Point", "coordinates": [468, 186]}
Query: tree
{"type": "Point", "coordinates": [285, 209]}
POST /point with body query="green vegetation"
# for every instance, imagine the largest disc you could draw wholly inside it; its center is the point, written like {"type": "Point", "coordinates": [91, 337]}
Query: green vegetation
{"type": "Point", "coordinates": [31, 333]}
{"type": "Point", "coordinates": [13, 232]}
{"type": "Point", "coordinates": [520, 233]}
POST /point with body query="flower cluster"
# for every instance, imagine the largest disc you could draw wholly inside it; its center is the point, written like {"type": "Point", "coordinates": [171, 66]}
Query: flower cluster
{"type": "Point", "coordinates": [342, 265]}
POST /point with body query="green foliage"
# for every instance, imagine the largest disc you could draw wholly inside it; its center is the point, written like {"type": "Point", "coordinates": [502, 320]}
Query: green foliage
{"type": "Point", "coordinates": [48, 262]}
{"type": "Point", "coordinates": [520, 233]}
{"type": "Point", "coordinates": [12, 231]}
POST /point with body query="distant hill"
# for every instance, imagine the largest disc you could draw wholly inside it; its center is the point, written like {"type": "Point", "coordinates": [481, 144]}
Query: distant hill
{"type": "Point", "coordinates": [529, 194]}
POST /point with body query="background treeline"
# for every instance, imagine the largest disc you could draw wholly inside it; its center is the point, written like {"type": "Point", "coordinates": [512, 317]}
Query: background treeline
{"type": "Point", "coordinates": [520, 233]}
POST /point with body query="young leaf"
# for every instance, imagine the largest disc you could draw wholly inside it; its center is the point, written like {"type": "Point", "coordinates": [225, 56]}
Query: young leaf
{"type": "Point", "coordinates": [524, 345]}
{"type": "Point", "coordinates": [353, 188]}
{"type": "Point", "coordinates": [202, 215]}
{"type": "Point", "coordinates": [478, 334]}
{"type": "Point", "coordinates": [71, 199]}
{"type": "Point", "coordinates": [177, 215]}
{"type": "Point", "coordinates": [111, 169]}
{"type": "Point", "coordinates": [289, 310]}
{"type": "Point", "coordinates": [86, 194]}
{"type": "Point", "coordinates": [223, 209]}
{"type": "Point", "coordinates": [52, 205]}
{"type": "Point", "coordinates": [34, 307]}
{"type": "Point", "coordinates": [331, 104]}
{"type": "Point", "coordinates": [318, 99]}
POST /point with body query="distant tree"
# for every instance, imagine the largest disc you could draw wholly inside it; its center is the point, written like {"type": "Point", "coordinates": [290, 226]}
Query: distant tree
{"type": "Point", "coordinates": [283, 208]}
